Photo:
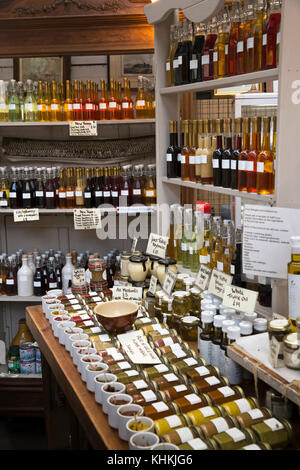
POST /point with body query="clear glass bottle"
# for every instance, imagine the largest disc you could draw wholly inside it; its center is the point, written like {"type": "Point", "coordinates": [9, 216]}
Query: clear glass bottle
{"type": "Point", "coordinates": [11, 283]}
{"type": "Point", "coordinates": [14, 111]}
{"type": "Point", "coordinates": [172, 49]}
{"type": "Point", "coordinates": [233, 40]}
{"type": "Point", "coordinates": [3, 102]}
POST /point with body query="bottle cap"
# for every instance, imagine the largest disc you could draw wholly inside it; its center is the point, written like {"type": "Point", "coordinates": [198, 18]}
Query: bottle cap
{"type": "Point", "coordinates": [206, 295]}
{"type": "Point", "coordinates": [246, 328]}
{"type": "Point", "coordinates": [228, 312]}
{"type": "Point", "coordinates": [226, 324]}
{"type": "Point", "coordinates": [207, 316]}
{"type": "Point", "coordinates": [233, 332]}
{"type": "Point", "coordinates": [295, 242]}
{"type": "Point", "coordinates": [210, 308]}
{"type": "Point", "coordinates": [260, 324]}
{"type": "Point", "coordinates": [250, 317]}
{"type": "Point", "coordinates": [217, 302]}
{"type": "Point", "coordinates": [218, 320]}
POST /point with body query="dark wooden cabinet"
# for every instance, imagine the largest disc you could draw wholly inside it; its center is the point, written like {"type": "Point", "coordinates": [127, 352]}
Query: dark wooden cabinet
{"type": "Point", "coordinates": [21, 396]}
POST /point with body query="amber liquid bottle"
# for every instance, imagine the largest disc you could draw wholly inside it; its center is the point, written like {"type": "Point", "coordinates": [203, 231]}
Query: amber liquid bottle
{"type": "Point", "coordinates": [70, 190]}
{"type": "Point", "coordinates": [185, 152]}
{"type": "Point", "coordinates": [240, 50]}
{"type": "Point", "coordinates": [140, 104]}
{"type": "Point", "coordinates": [233, 40]}
{"type": "Point", "coordinates": [149, 191]}
{"type": "Point", "coordinates": [172, 49]}
{"type": "Point", "coordinates": [62, 190]}
{"type": "Point", "coordinates": [89, 104]}
{"type": "Point", "coordinates": [55, 104]}
{"type": "Point", "coordinates": [79, 189]}
{"type": "Point", "coordinates": [207, 154]}
{"type": "Point", "coordinates": [252, 155]}
{"type": "Point", "coordinates": [243, 157]}
{"type": "Point", "coordinates": [103, 102]}
{"type": "Point", "coordinates": [127, 103]}
{"type": "Point", "coordinates": [248, 37]}
{"type": "Point", "coordinates": [254, 54]}
{"type": "Point", "coordinates": [265, 162]}
{"type": "Point", "coordinates": [113, 111]}
{"type": "Point", "coordinates": [78, 114]}
{"type": "Point", "coordinates": [68, 104]}
{"type": "Point", "coordinates": [41, 105]}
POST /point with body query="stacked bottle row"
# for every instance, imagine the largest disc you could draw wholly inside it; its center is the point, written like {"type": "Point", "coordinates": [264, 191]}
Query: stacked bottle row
{"type": "Point", "coordinates": [210, 155]}
{"type": "Point", "coordinates": [37, 272]}
{"type": "Point", "coordinates": [43, 102]}
{"type": "Point", "coordinates": [239, 40]}
{"type": "Point", "coordinates": [67, 188]}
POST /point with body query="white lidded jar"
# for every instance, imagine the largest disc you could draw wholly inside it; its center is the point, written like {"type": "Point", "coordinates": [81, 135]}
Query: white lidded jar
{"type": "Point", "coordinates": [25, 279]}
{"type": "Point", "coordinates": [233, 371]}
{"type": "Point", "coordinates": [67, 273]}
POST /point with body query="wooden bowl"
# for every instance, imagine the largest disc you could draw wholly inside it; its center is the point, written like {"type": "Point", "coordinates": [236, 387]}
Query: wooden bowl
{"type": "Point", "coordinates": [117, 316]}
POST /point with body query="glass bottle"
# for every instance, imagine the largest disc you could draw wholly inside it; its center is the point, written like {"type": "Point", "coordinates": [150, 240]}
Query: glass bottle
{"type": "Point", "coordinates": [127, 103]}
{"type": "Point", "coordinates": [207, 60]}
{"type": "Point", "coordinates": [4, 189]}
{"type": "Point", "coordinates": [78, 113]}
{"type": "Point", "coordinates": [58, 269]}
{"type": "Point", "coordinates": [15, 194]}
{"type": "Point", "coordinates": [236, 152]}
{"type": "Point", "coordinates": [248, 34]}
{"type": "Point", "coordinates": [3, 269]}
{"type": "Point", "coordinates": [293, 269]}
{"type": "Point", "coordinates": [172, 49]}
{"type": "Point", "coordinates": [233, 40]}
{"type": "Point", "coordinates": [187, 236]}
{"type": "Point", "coordinates": [207, 156]}
{"type": "Point", "coordinates": [220, 47]}
{"type": "Point", "coordinates": [70, 190]}
{"type": "Point", "coordinates": [140, 104]}
{"type": "Point", "coordinates": [26, 191]}
{"type": "Point", "coordinates": [102, 102]}
{"type": "Point", "coordinates": [205, 250]}
{"type": "Point", "coordinates": [171, 155]}
{"type": "Point", "coordinates": [252, 155]}
{"type": "Point", "coordinates": [240, 51]}
{"type": "Point", "coordinates": [254, 54]}
{"type": "Point", "coordinates": [21, 94]}
{"type": "Point", "coordinates": [38, 281]}
{"type": "Point", "coordinates": [88, 112]}
{"type": "Point", "coordinates": [226, 155]}
{"type": "Point", "coordinates": [106, 188]}
{"type": "Point", "coordinates": [51, 276]}
{"type": "Point", "coordinates": [11, 285]}
{"type": "Point", "coordinates": [137, 186]}
{"type": "Point", "coordinates": [199, 150]}
{"type": "Point", "coordinates": [185, 151]}
{"type": "Point", "coordinates": [186, 52]}
{"type": "Point", "coordinates": [112, 111]}
{"type": "Point", "coordinates": [62, 190]}
{"type": "Point", "coordinates": [193, 137]}
{"type": "Point", "coordinates": [265, 162]}
{"type": "Point", "coordinates": [49, 190]}
{"type": "Point", "coordinates": [232, 370]}
{"type": "Point", "coordinates": [79, 189]}
{"type": "Point", "coordinates": [176, 68]}
{"type": "Point", "coordinates": [206, 335]}
{"type": "Point", "coordinates": [41, 105]}
{"type": "Point", "coordinates": [217, 155]}
{"type": "Point", "coordinates": [23, 334]}
{"type": "Point", "coordinates": [272, 34]}
{"type": "Point", "coordinates": [98, 192]}
{"type": "Point", "coordinates": [278, 45]}
{"type": "Point", "coordinates": [55, 103]}
{"type": "Point", "coordinates": [48, 101]}
{"type": "Point", "coordinates": [39, 190]}
{"type": "Point", "coordinates": [125, 187]}
{"type": "Point", "coordinates": [243, 157]}
{"type": "Point", "coordinates": [87, 194]}
{"type": "Point", "coordinates": [3, 102]}
{"type": "Point", "coordinates": [25, 279]}
{"type": "Point", "coordinates": [149, 191]}
{"type": "Point", "coordinates": [14, 112]}
{"type": "Point", "coordinates": [178, 222]}
{"type": "Point", "coordinates": [68, 103]}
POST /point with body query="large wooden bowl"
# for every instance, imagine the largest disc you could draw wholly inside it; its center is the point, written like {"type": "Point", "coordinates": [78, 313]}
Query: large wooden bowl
{"type": "Point", "coordinates": [117, 316]}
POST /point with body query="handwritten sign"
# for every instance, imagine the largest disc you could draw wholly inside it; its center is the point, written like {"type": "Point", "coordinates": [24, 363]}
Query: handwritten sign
{"type": "Point", "coordinates": [137, 348]}
{"type": "Point", "coordinates": [133, 246]}
{"type": "Point", "coordinates": [157, 245]}
{"type": "Point", "coordinates": [218, 282]}
{"type": "Point", "coordinates": [134, 294]}
{"type": "Point", "coordinates": [169, 282]}
{"type": "Point", "coordinates": [87, 219]}
{"type": "Point", "coordinates": [243, 300]}
{"type": "Point", "coordinates": [203, 277]}
{"type": "Point", "coordinates": [153, 284]}
{"type": "Point", "coordinates": [78, 277]}
{"type": "Point", "coordinates": [26, 215]}
{"type": "Point", "coordinates": [83, 128]}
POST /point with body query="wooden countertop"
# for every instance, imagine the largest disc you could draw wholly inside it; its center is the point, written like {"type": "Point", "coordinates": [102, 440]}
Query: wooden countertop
{"type": "Point", "coordinates": [88, 411]}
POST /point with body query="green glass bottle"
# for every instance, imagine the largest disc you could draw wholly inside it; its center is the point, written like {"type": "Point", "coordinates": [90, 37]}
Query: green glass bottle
{"type": "Point", "coordinates": [21, 93]}
{"type": "Point", "coordinates": [30, 111]}
{"type": "Point", "coordinates": [14, 112]}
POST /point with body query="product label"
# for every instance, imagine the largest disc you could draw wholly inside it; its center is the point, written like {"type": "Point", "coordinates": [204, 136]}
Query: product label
{"type": "Point", "coordinates": [124, 193]}
{"type": "Point", "coordinates": [190, 361]}
{"type": "Point", "coordinates": [240, 299]}
{"type": "Point", "coordinates": [226, 391]}
{"type": "Point", "coordinates": [78, 193]}
{"type": "Point", "coordinates": [131, 373]}
{"type": "Point", "coordinates": [168, 66]}
{"type": "Point", "coordinates": [140, 384]}
{"type": "Point", "coordinates": [137, 192]}
{"type": "Point", "coordinates": [233, 164]}
{"type": "Point", "coordinates": [232, 269]}
{"type": "Point", "coordinates": [240, 46]}
{"type": "Point", "coordinates": [160, 406]}
{"type": "Point", "coordinates": [3, 203]}
{"type": "Point", "coordinates": [140, 103]}
{"type": "Point", "coordinates": [235, 434]}
{"type": "Point", "coordinates": [112, 105]}
{"type": "Point", "coordinates": [255, 414]}
{"type": "Point", "coordinates": [278, 38]}
{"type": "Point", "coordinates": [61, 195]}
{"type": "Point", "coordinates": [26, 215]}
{"type": "Point", "coordinates": [12, 195]}
{"type": "Point", "coordinates": [169, 157]}
{"type": "Point", "coordinates": [197, 444]}
{"type": "Point", "coordinates": [250, 43]}
{"type": "Point", "coordinates": [182, 159]}
{"type": "Point", "coordinates": [54, 107]}
{"type": "Point", "coordinates": [180, 388]}
{"type": "Point", "coordinates": [49, 194]}
{"type": "Point", "coordinates": [87, 219]}
{"type": "Point", "coordinates": [264, 40]}
{"type": "Point", "coordinates": [169, 282]}
{"type": "Point", "coordinates": [202, 371]}
{"type": "Point", "coordinates": [215, 351]}
{"type": "Point", "coordinates": [171, 377]}
{"type": "Point", "coordinates": [53, 285]}
{"type": "Point", "coordinates": [175, 64]}
{"type": "Point", "coordinates": [192, 160]}
{"type": "Point", "coordinates": [102, 106]}
{"type": "Point", "coordinates": [203, 159]}
{"type": "Point", "coordinates": [12, 106]}
{"type": "Point", "coordinates": [193, 64]}
{"type": "Point", "coordinates": [83, 128]}
{"type": "Point", "coordinates": [274, 424]}
{"type": "Point", "coordinates": [215, 57]}
{"type": "Point", "coordinates": [220, 266]}
{"type": "Point", "coordinates": [157, 245]}
{"type": "Point", "coordinates": [10, 282]}
{"type": "Point", "coordinates": [205, 350]}
{"type": "Point", "coordinates": [149, 193]}
{"type": "Point", "coordinates": [242, 166]}
{"type": "Point", "coordinates": [220, 424]}
{"type": "Point", "coordinates": [179, 60]}
{"type": "Point", "coordinates": [124, 365]}
{"type": "Point", "coordinates": [89, 106]}
{"type": "Point", "coordinates": [205, 60]}
{"type": "Point", "coordinates": [212, 380]}
{"type": "Point", "coordinates": [173, 421]}
{"type": "Point", "coordinates": [153, 284]}
{"type": "Point", "coordinates": [185, 434]}
{"type": "Point", "coordinates": [215, 163]}
{"type": "Point", "coordinates": [193, 399]}
{"type": "Point", "coordinates": [26, 196]}
{"type": "Point", "coordinates": [225, 164]}
{"type": "Point", "coordinates": [243, 405]}
{"type": "Point", "coordinates": [250, 166]}
{"type": "Point", "coordinates": [161, 368]}
{"type": "Point", "coordinates": [39, 194]}
{"type": "Point", "coordinates": [87, 195]}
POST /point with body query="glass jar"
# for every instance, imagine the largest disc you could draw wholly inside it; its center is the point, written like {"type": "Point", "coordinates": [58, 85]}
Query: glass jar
{"type": "Point", "coordinates": [195, 301]}
{"type": "Point", "coordinates": [215, 426]}
{"type": "Point", "coordinates": [149, 303]}
{"type": "Point", "coordinates": [201, 415]}
{"type": "Point", "coordinates": [137, 268]}
{"type": "Point", "coordinates": [179, 436]}
{"type": "Point", "coordinates": [197, 373]}
{"type": "Point", "coordinates": [291, 351]}
{"type": "Point", "coordinates": [166, 304]}
{"type": "Point", "coordinates": [143, 397]}
{"type": "Point", "coordinates": [157, 410]}
{"type": "Point", "coordinates": [146, 329]}
{"type": "Point", "coordinates": [179, 284]}
{"type": "Point", "coordinates": [165, 381]}
{"type": "Point", "coordinates": [155, 371]}
{"type": "Point", "coordinates": [277, 329]}
{"type": "Point", "coordinates": [188, 283]}
{"type": "Point", "coordinates": [225, 394]}
{"type": "Point", "coordinates": [125, 257]}
{"type": "Point", "coordinates": [158, 296]}
{"type": "Point", "coordinates": [189, 328]}
{"type": "Point", "coordinates": [207, 384]}
{"type": "Point", "coordinates": [166, 341]}
{"type": "Point", "coordinates": [179, 353]}
{"type": "Point", "coordinates": [259, 446]}
{"type": "Point", "coordinates": [198, 444]}
{"type": "Point", "coordinates": [180, 303]}
{"type": "Point", "coordinates": [234, 439]}
{"type": "Point", "coordinates": [190, 402]}
{"type": "Point", "coordinates": [187, 364]}
{"type": "Point", "coordinates": [145, 321]}
{"type": "Point", "coordinates": [172, 393]}
{"type": "Point", "coordinates": [161, 333]}
{"type": "Point", "coordinates": [236, 407]}
{"type": "Point", "coordinates": [245, 420]}
{"type": "Point", "coordinates": [165, 425]}
{"type": "Point", "coordinates": [128, 376]}
{"type": "Point", "coordinates": [162, 268]}
{"type": "Point", "coordinates": [97, 267]}
{"type": "Point", "coordinates": [276, 432]}
{"type": "Point", "coordinates": [136, 386]}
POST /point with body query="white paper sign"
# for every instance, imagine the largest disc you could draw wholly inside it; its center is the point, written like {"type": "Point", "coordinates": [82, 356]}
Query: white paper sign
{"type": "Point", "coordinates": [218, 282]}
{"type": "Point", "coordinates": [133, 294]}
{"type": "Point", "coordinates": [203, 277]}
{"type": "Point", "coordinates": [137, 348]}
{"type": "Point", "coordinates": [133, 246]}
{"type": "Point", "coordinates": [83, 128]}
{"type": "Point", "coordinates": [78, 277]}
{"type": "Point", "coordinates": [87, 219]}
{"type": "Point", "coordinates": [157, 245]}
{"type": "Point", "coordinates": [266, 240]}
{"type": "Point", "coordinates": [153, 284]}
{"type": "Point", "coordinates": [243, 300]}
{"type": "Point", "coordinates": [26, 215]}
{"type": "Point", "coordinates": [169, 282]}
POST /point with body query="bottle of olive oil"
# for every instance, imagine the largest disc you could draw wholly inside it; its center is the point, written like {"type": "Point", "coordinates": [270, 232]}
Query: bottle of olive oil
{"type": "Point", "coordinates": [294, 282]}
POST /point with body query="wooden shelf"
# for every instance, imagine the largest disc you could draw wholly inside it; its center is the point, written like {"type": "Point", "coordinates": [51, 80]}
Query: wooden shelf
{"type": "Point", "coordinates": [216, 189]}
{"type": "Point", "coordinates": [247, 78]}
{"type": "Point", "coordinates": [66, 123]}
{"type": "Point", "coordinates": [117, 210]}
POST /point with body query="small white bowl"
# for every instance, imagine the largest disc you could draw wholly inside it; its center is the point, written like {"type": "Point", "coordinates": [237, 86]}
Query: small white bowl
{"type": "Point", "coordinates": [78, 336]}
{"type": "Point", "coordinates": [90, 374]}
{"type": "Point", "coordinates": [55, 323]}
{"type": "Point", "coordinates": [68, 335]}
{"type": "Point", "coordinates": [52, 305]}
{"type": "Point", "coordinates": [80, 352]}
{"type": "Point", "coordinates": [84, 362]}
{"type": "Point", "coordinates": [138, 409]}
{"type": "Point", "coordinates": [118, 388]}
{"type": "Point", "coordinates": [110, 379]}
{"type": "Point", "coordinates": [112, 407]}
{"type": "Point", "coordinates": [55, 292]}
{"type": "Point", "coordinates": [139, 439]}
{"type": "Point", "coordinates": [60, 330]}
{"type": "Point", "coordinates": [165, 446]}
{"type": "Point", "coordinates": [143, 419]}
{"type": "Point", "coordinates": [75, 345]}
{"type": "Point", "coordinates": [44, 300]}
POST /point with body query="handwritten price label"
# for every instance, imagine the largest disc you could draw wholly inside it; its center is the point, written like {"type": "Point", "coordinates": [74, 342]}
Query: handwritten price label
{"type": "Point", "coordinates": [26, 215]}
{"type": "Point", "coordinates": [243, 300]}
{"type": "Point", "coordinates": [87, 219]}
{"type": "Point", "coordinates": [157, 245]}
{"type": "Point", "coordinates": [83, 128]}
{"type": "Point", "coordinates": [153, 284]}
{"type": "Point", "coordinates": [133, 294]}
{"type": "Point", "coordinates": [169, 282]}
{"type": "Point", "coordinates": [203, 277]}
{"type": "Point", "coordinates": [78, 277]}
{"type": "Point", "coordinates": [218, 282]}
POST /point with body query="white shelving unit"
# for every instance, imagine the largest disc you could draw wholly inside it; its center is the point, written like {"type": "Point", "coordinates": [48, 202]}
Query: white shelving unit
{"type": "Point", "coordinates": [162, 14]}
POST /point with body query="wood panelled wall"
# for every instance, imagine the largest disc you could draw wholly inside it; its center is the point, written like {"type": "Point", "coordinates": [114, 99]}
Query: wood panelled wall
{"type": "Point", "coordinates": [73, 27]}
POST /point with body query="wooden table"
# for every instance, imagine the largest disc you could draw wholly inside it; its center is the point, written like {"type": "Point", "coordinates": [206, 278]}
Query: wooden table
{"type": "Point", "coordinates": [57, 361]}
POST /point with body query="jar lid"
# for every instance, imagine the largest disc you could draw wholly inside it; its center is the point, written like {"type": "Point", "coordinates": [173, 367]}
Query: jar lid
{"type": "Point", "coordinates": [217, 302]}
{"type": "Point", "coordinates": [152, 257]}
{"type": "Point", "coordinates": [167, 261]}
{"type": "Point", "coordinates": [218, 320]}
{"type": "Point", "coordinates": [260, 324]}
{"type": "Point", "coordinates": [195, 290]}
{"type": "Point", "coordinates": [126, 256]}
{"type": "Point", "coordinates": [210, 307]}
{"type": "Point", "coordinates": [233, 332]}
{"type": "Point", "coordinates": [137, 259]}
{"type": "Point", "coordinates": [246, 327]}
{"type": "Point", "coordinates": [207, 316]}
{"type": "Point", "coordinates": [226, 324]}
{"type": "Point", "coordinates": [250, 316]}
{"type": "Point", "coordinates": [279, 325]}
{"type": "Point", "coordinates": [190, 320]}
{"type": "Point", "coordinates": [182, 276]}
{"type": "Point", "coordinates": [179, 294]}
{"type": "Point", "coordinates": [291, 341]}
{"type": "Point", "coordinates": [228, 311]}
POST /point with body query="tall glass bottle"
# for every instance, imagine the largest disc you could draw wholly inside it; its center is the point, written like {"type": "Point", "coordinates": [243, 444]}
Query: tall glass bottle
{"type": "Point", "coordinates": [25, 279]}
{"type": "Point", "coordinates": [193, 137]}
{"type": "Point", "coordinates": [137, 197]}
{"type": "Point", "coordinates": [125, 187]}
{"type": "Point", "coordinates": [89, 103]}
{"type": "Point", "coordinates": [15, 192]}
{"type": "Point", "coordinates": [149, 191]}
{"type": "Point", "coordinates": [4, 189]}
{"type": "Point", "coordinates": [207, 156]}
{"type": "Point", "coordinates": [127, 103]}
{"type": "Point", "coordinates": [243, 157]}
{"type": "Point", "coordinates": [265, 162]}
{"type": "Point", "coordinates": [293, 269]}
{"type": "Point", "coordinates": [41, 105]}
{"type": "Point", "coordinates": [98, 188]}
{"type": "Point", "coordinates": [70, 190]}
{"type": "Point", "coordinates": [62, 190]}
{"type": "Point", "coordinates": [88, 190]}
{"type": "Point", "coordinates": [21, 94]}
{"type": "Point", "coordinates": [68, 103]}
{"type": "Point", "coordinates": [11, 283]}
{"type": "Point", "coordinates": [79, 189]}
{"type": "Point", "coordinates": [78, 112]}
{"type": "Point", "coordinates": [39, 190]}
{"type": "Point", "coordinates": [272, 34]}
{"type": "Point", "coordinates": [207, 60]}
{"type": "Point", "coordinates": [38, 280]}
{"type": "Point", "coordinates": [186, 53]}
{"type": "Point", "coordinates": [106, 188]}
{"type": "Point", "coordinates": [187, 235]}
{"type": "Point", "coordinates": [51, 275]}
{"type": "Point", "coordinates": [252, 155]}
{"type": "Point", "coordinates": [195, 62]}
{"type": "Point", "coordinates": [3, 102]}
{"type": "Point", "coordinates": [248, 34]}
{"type": "Point", "coordinates": [254, 54]}
{"type": "Point", "coordinates": [14, 112]}
{"type": "Point", "coordinates": [227, 154]}
{"type": "Point", "coordinates": [220, 47]}
{"type": "Point", "coordinates": [217, 155]}
{"type": "Point", "coordinates": [176, 68]}
{"type": "Point", "coordinates": [140, 103]}
{"type": "Point", "coordinates": [48, 101]}
{"type": "Point", "coordinates": [172, 151]}
{"type": "Point", "coordinates": [55, 104]}
{"type": "Point", "coordinates": [236, 153]}
{"type": "Point", "coordinates": [233, 40]}
{"type": "Point", "coordinates": [172, 49]}
{"type": "Point", "coordinates": [102, 102]}
{"type": "Point", "coordinates": [112, 111]}
{"type": "Point", "coordinates": [26, 191]}
{"type": "Point", "coordinates": [185, 151]}
{"type": "Point", "coordinates": [240, 51]}
{"type": "Point", "coordinates": [49, 190]}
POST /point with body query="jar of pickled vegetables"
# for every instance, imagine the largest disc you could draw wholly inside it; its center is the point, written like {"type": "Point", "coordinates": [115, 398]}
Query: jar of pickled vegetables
{"type": "Point", "coordinates": [291, 351]}
{"type": "Point", "coordinates": [195, 300]}
{"type": "Point", "coordinates": [166, 304]}
{"type": "Point", "coordinates": [239, 406]}
{"type": "Point", "coordinates": [176, 322]}
{"type": "Point", "coordinates": [190, 402]}
{"type": "Point", "coordinates": [209, 428]}
{"type": "Point", "coordinates": [180, 435]}
{"type": "Point", "coordinates": [276, 432]}
{"type": "Point", "coordinates": [180, 303]}
{"type": "Point", "coordinates": [234, 439]}
{"type": "Point", "coordinates": [189, 328]}
{"type": "Point", "coordinates": [201, 415]}
{"type": "Point", "coordinates": [165, 425]}
{"type": "Point", "coordinates": [198, 444]}
{"type": "Point", "coordinates": [246, 419]}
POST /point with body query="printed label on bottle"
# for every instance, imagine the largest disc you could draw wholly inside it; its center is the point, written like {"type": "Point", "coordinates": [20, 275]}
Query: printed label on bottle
{"type": "Point", "coordinates": [29, 106]}
{"type": "Point", "coordinates": [260, 167]}
{"type": "Point", "coordinates": [168, 66]}
{"type": "Point", "coordinates": [70, 193]}
{"type": "Point", "coordinates": [54, 107]}
{"type": "Point", "coordinates": [197, 444]}
{"type": "Point", "coordinates": [215, 57]}
{"type": "Point", "coordinates": [3, 203]}
{"type": "Point", "coordinates": [215, 351]}
{"type": "Point", "coordinates": [183, 247]}
{"type": "Point", "coordinates": [89, 106]}
{"type": "Point", "coordinates": [220, 424]}
{"type": "Point", "coordinates": [242, 165]}
{"type": "Point", "coordinates": [125, 105]}
{"type": "Point", "coordinates": [140, 103]}
{"type": "Point", "coordinates": [250, 166]}
{"type": "Point", "coordinates": [169, 157]}
{"type": "Point", "coordinates": [225, 164]}
{"type": "Point", "coordinates": [37, 283]}
{"type": "Point", "coordinates": [12, 195]}
{"type": "Point", "coordinates": [205, 60]}
{"type": "Point", "coordinates": [39, 194]}
{"type": "Point", "coordinates": [179, 60]}
{"type": "Point", "coordinates": [102, 105]}
{"type": "Point", "coordinates": [87, 195]}
{"type": "Point", "coordinates": [193, 64]}
{"type": "Point", "coordinates": [233, 371]}
{"type": "Point", "coordinates": [137, 192]}
{"type": "Point", "coordinates": [106, 194]}
{"type": "Point", "coordinates": [78, 193]}
{"type": "Point", "coordinates": [124, 365]}
{"type": "Point", "coordinates": [10, 282]}
{"type": "Point", "coordinates": [278, 38]}
{"type": "Point", "coordinates": [182, 159]}
{"type": "Point", "coordinates": [215, 163]}
{"type": "Point", "coordinates": [226, 391]}
{"type": "Point", "coordinates": [235, 434]}
{"type": "Point", "coordinates": [202, 371]}
{"type": "Point", "coordinates": [98, 193]}
{"type": "Point", "coordinates": [112, 104]}
{"type": "Point", "coordinates": [226, 49]}
{"type": "Point", "coordinates": [192, 160]}
{"type": "Point", "coordinates": [220, 266]}
{"type": "Point", "coordinates": [149, 193]}
{"type": "Point", "coordinates": [115, 194]}
{"type": "Point", "coordinates": [160, 406]}
{"type": "Point", "coordinates": [203, 259]}
{"type": "Point", "coordinates": [240, 46]}
{"type": "Point", "coordinates": [40, 107]}
{"type": "Point", "coordinates": [175, 64]}
{"type": "Point", "coordinates": [250, 43]}
{"type": "Point", "coordinates": [264, 40]}
{"type": "Point", "coordinates": [53, 285]}
{"type": "Point", "coordinates": [124, 192]}
{"type": "Point", "coordinates": [232, 269]}
{"type": "Point", "coordinates": [255, 414]}
{"type": "Point", "coordinates": [70, 107]}
{"type": "Point", "coordinates": [12, 106]}
{"type": "Point", "coordinates": [49, 194]}
{"type": "Point", "coordinates": [233, 164]}
{"type": "Point", "coordinates": [294, 295]}
{"type": "Point", "coordinates": [203, 159]}
{"type": "Point", "coordinates": [2, 106]}
{"type": "Point", "coordinates": [26, 196]}
{"type": "Point", "coordinates": [61, 195]}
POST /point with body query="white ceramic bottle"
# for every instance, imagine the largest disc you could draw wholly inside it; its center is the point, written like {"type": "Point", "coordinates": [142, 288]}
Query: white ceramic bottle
{"type": "Point", "coordinates": [31, 262]}
{"type": "Point", "coordinates": [67, 272]}
{"type": "Point", "coordinates": [25, 279]}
